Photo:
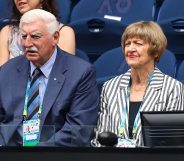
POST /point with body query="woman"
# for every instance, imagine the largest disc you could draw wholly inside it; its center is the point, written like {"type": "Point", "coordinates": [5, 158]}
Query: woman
{"type": "Point", "coordinates": [10, 39]}
{"type": "Point", "coordinates": [142, 88]}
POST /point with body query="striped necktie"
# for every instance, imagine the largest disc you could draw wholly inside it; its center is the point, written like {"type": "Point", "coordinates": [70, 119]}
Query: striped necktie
{"type": "Point", "coordinates": [34, 99]}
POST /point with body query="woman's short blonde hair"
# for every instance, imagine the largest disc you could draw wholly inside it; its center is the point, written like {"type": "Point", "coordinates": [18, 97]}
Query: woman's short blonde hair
{"type": "Point", "coordinates": [149, 32]}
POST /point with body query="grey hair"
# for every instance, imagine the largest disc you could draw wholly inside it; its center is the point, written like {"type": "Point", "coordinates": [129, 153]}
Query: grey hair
{"type": "Point", "coordinates": [40, 14]}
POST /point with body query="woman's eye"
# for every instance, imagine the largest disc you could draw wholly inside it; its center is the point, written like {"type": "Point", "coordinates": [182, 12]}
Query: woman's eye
{"type": "Point", "coordinates": [128, 43]}
{"type": "Point", "coordinates": [139, 43]}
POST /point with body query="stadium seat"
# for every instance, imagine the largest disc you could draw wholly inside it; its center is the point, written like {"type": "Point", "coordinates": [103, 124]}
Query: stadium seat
{"type": "Point", "coordinates": [5, 10]}
{"type": "Point", "coordinates": [95, 36]}
{"type": "Point", "coordinates": [64, 10]}
{"type": "Point", "coordinates": [180, 72]}
{"type": "Point", "coordinates": [81, 54]}
{"type": "Point", "coordinates": [109, 65]}
{"type": "Point", "coordinates": [156, 9]}
{"type": "Point", "coordinates": [112, 63]}
{"type": "Point", "coordinates": [167, 63]}
{"type": "Point", "coordinates": [99, 24]}
{"type": "Point", "coordinates": [128, 10]}
{"type": "Point", "coordinates": [6, 21]}
{"type": "Point", "coordinates": [171, 19]}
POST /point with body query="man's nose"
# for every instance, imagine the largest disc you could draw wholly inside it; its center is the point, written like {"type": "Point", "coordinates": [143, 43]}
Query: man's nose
{"type": "Point", "coordinates": [28, 41]}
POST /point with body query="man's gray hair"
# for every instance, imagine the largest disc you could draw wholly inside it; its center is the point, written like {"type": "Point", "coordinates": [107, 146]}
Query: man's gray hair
{"type": "Point", "coordinates": [40, 14]}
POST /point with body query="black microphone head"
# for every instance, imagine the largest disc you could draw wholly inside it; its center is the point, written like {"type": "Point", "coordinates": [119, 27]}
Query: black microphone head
{"type": "Point", "coordinates": [107, 139]}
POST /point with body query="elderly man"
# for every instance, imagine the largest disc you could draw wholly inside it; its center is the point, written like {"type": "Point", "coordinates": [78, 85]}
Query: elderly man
{"type": "Point", "coordinates": [47, 97]}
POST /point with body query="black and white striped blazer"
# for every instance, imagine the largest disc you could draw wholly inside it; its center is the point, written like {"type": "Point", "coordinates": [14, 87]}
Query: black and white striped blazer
{"type": "Point", "coordinates": [164, 93]}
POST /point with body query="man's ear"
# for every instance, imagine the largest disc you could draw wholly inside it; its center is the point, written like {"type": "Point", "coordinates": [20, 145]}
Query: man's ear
{"type": "Point", "coordinates": [56, 36]}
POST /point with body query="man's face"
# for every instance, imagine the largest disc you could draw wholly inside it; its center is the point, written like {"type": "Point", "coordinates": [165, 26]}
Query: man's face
{"type": "Point", "coordinates": [37, 42]}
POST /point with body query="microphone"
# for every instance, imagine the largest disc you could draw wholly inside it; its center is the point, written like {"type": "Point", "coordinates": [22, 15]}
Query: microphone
{"type": "Point", "coordinates": [107, 139]}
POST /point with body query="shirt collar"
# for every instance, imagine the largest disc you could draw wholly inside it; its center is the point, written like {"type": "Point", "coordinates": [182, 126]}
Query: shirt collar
{"type": "Point", "coordinates": [47, 67]}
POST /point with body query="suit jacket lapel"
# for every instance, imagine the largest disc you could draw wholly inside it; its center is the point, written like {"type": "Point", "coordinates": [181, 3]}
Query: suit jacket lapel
{"type": "Point", "coordinates": [55, 83]}
{"type": "Point", "coordinates": [21, 85]}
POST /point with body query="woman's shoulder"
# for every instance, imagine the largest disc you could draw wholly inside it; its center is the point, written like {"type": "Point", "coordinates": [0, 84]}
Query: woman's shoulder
{"type": "Point", "coordinates": [172, 80]}
{"type": "Point", "coordinates": [67, 39]}
{"type": "Point", "coordinates": [117, 78]}
{"type": "Point", "coordinates": [114, 81]}
{"type": "Point", "coordinates": [9, 29]}
{"type": "Point", "coordinates": [65, 28]}
{"type": "Point", "coordinates": [6, 29]}
{"type": "Point", "coordinates": [4, 35]}
{"type": "Point", "coordinates": [159, 75]}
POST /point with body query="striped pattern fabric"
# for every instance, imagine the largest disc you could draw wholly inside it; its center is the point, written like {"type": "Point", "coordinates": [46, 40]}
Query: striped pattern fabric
{"type": "Point", "coordinates": [33, 100]}
{"type": "Point", "coordinates": [163, 94]}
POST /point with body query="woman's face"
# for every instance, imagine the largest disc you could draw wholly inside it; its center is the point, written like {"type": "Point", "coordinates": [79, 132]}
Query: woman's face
{"type": "Point", "coordinates": [136, 53]}
{"type": "Point", "coordinates": [26, 5]}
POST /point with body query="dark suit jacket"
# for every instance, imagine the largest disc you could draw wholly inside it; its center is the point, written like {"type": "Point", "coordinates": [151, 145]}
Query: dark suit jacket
{"type": "Point", "coordinates": [70, 102]}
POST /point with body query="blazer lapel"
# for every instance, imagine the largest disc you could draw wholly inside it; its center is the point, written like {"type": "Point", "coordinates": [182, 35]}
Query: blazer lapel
{"type": "Point", "coordinates": [55, 83]}
{"type": "Point", "coordinates": [122, 102]}
{"type": "Point", "coordinates": [153, 91]}
{"type": "Point", "coordinates": [152, 95]}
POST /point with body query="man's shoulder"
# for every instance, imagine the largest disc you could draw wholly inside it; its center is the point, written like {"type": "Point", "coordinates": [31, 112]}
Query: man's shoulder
{"type": "Point", "coordinates": [13, 63]}
{"type": "Point", "coordinates": [75, 61]}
